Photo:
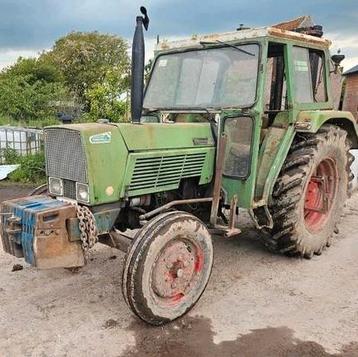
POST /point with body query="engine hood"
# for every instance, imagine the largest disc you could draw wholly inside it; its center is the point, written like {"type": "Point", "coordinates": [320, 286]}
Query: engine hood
{"type": "Point", "coordinates": [104, 155]}
{"type": "Point", "coordinates": [159, 136]}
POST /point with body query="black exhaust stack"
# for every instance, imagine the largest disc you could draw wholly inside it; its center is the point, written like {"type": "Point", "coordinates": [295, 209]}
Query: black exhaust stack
{"type": "Point", "coordinates": [138, 54]}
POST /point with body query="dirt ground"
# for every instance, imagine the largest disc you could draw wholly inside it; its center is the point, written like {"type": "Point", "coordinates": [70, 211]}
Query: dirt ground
{"type": "Point", "coordinates": [256, 304]}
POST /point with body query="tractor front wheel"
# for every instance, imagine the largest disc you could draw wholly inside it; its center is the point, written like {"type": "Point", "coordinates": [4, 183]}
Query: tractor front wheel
{"type": "Point", "coordinates": [310, 192]}
{"type": "Point", "coordinates": [167, 267]}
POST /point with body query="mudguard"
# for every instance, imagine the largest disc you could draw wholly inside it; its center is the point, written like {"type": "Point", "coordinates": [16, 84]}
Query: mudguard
{"type": "Point", "coordinates": [311, 121]}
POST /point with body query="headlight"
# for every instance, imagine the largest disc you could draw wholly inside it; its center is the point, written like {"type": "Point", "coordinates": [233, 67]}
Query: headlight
{"type": "Point", "coordinates": [55, 186]}
{"type": "Point", "coordinates": [82, 193]}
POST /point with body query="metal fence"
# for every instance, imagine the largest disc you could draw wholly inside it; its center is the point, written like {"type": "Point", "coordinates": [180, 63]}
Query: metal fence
{"type": "Point", "coordinates": [23, 140]}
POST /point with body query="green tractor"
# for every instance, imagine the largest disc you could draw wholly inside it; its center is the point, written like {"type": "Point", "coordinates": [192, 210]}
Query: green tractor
{"type": "Point", "coordinates": [243, 119]}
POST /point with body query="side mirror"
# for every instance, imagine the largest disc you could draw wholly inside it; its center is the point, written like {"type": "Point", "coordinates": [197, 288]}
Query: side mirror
{"type": "Point", "coordinates": [337, 59]}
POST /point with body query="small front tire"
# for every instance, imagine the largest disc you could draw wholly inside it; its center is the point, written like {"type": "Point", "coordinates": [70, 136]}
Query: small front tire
{"type": "Point", "coordinates": [167, 267]}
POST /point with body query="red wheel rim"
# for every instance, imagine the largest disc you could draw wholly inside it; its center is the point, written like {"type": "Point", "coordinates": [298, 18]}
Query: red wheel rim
{"type": "Point", "coordinates": [177, 271]}
{"type": "Point", "coordinates": [320, 194]}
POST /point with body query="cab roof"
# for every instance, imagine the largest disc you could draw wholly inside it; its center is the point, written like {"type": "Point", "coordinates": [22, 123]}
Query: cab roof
{"type": "Point", "coordinates": [241, 35]}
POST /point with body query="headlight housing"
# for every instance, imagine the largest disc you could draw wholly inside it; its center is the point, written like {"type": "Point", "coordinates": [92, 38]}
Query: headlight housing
{"type": "Point", "coordinates": [82, 192]}
{"type": "Point", "coordinates": [55, 186]}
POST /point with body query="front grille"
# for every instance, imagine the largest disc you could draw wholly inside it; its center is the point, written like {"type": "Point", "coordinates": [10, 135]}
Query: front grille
{"type": "Point", "coordinates": [165, 171]}
{"type": "Point", "coordinates": [65, 155]}
{"type": "Point", "coordinates": [69, 189]}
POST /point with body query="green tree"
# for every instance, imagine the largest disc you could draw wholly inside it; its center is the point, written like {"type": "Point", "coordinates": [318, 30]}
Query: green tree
{"type": "Point", "coordinates": [87, 60]}
{"type": "Point", "coordinates": [22, 99]}
{"type": "Point", "coordinates": [34, 69]}
{"type": "Point", "coordinates": [27, 89]}
{"type": "Point", "coordinates": [83, 71]}
{"type": "Point", "coordinates": [108, 99]}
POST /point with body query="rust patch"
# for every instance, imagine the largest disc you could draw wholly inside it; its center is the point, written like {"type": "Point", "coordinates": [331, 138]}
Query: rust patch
{"type": "Point", "coordinates": [280, 31]}
{"type": "Point", "coordinates": [296, 36]}
{"type": "Point", "coordinates": [52, 246]}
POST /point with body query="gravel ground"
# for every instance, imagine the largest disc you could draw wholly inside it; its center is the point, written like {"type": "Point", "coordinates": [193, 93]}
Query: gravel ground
{"type": "Point", "coordinates": [256, 304]}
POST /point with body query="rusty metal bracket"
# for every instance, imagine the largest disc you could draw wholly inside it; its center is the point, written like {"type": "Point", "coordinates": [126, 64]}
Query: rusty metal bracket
{"type": "Point", "coordinates": [225, 231]}
{"type": "Point", "coordinates": [232, 218]}
{"type": "Point", "coordinates": [268, 216]}
{"type": "Point", "coordinates": [231, 230]}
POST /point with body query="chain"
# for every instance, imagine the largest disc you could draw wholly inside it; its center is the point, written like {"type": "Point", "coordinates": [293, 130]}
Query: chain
{"type": "Point", "coordinates": [88, 228]}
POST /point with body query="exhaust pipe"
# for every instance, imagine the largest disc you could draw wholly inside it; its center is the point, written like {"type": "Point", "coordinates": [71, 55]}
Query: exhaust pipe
{"type": "Point", "coordinates": [138, 54]}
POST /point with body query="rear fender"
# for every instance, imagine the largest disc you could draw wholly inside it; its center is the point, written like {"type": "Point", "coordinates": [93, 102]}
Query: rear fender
{"type": "Point", "coordinates": [311, 121]}
{"type": "Point", "coordinates": [279, 138]}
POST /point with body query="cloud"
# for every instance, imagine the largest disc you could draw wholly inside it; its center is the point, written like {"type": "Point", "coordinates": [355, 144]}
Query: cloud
{"type": "Point", "coordinates": [37, 23]}
{"type": "Point", "coordinates": [8, 57]}
{"type": "Point", "coordinates": [348, 45]}
{"type": "Point", "coordinates": [31, 25]}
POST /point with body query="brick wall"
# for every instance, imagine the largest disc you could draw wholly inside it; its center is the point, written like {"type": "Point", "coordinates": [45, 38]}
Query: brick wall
{"type": "Point", "coordinates": [350, 102]}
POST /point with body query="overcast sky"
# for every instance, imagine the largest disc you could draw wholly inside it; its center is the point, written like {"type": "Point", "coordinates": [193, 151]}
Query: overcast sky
{"type": "Point", "coordinates": [30, 26]}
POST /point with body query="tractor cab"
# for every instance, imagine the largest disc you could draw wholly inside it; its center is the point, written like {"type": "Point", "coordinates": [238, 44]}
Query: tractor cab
{"type": "Point", "coordinates": [251, 85]}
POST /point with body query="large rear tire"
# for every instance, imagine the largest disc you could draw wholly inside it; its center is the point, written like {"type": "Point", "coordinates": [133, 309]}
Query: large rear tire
{"type": "Point", "coordinates": [167, 267]}
{"type": "Point", "coordinates": [310, 193]}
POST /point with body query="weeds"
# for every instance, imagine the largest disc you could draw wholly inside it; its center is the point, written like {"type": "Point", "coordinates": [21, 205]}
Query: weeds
{"type": "Point", "coordinates": [31, 170]}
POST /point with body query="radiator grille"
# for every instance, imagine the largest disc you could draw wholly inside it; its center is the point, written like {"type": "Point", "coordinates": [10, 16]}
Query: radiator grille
{"type": "Point", "coordinates": [65, 156]}
{"type": "Point", "coordinates": [165, 171]}
{"type": "Point", "coordinates": [69, 189]}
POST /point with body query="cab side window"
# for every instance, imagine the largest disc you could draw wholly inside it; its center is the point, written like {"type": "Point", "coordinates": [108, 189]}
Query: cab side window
{"type": "Point", "coordinates": [275, 86]}
{"type": "Point", "coordinates": [309, 79]}
{"type": "Point", "coordinates": [317, 61]}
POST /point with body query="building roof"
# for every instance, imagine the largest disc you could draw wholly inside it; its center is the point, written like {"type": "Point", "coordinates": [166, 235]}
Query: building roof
{"type": "Point", "coordinates": [351, 71]}
{"type": "Point", "coordinates": [195, 40]}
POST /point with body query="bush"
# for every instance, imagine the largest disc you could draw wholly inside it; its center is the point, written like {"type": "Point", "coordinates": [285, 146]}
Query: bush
{"type": "Point", "coordinates": [105, 104]}
{"type": "Point", "coordinates": [31, 170]}
{"type": "Point", "coordinates": [10, 155]}
{"type": "Point", "coordinates": [22, 100]}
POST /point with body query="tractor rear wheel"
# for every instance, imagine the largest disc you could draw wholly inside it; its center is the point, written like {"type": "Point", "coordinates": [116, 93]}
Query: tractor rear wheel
{"type": "Point", "coordinates": [167, 267]}
{"type": "Point", "coordinates": [310, 193]}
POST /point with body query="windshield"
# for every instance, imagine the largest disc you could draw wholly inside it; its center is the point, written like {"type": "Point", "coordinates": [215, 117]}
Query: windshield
{"type": "Point", "coordinates": [215, 77]}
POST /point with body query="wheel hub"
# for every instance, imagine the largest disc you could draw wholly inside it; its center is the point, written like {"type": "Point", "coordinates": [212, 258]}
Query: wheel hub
{"type": "Point", "coordinates": [175, 270]}
{"type": "Point", "coordinates": [320, 194]}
